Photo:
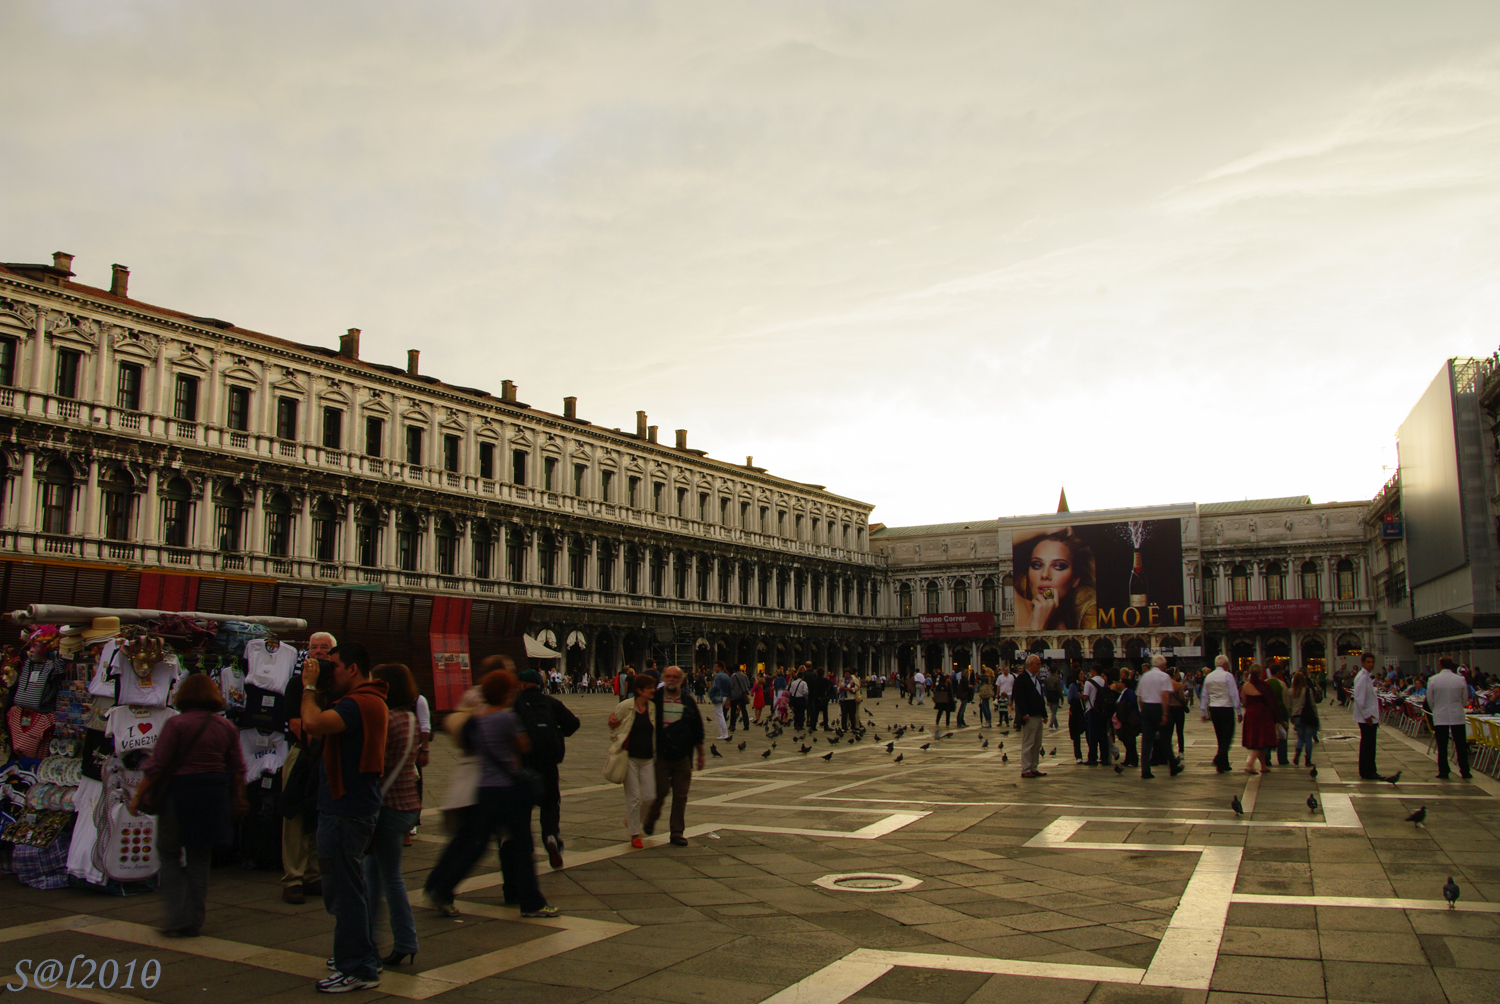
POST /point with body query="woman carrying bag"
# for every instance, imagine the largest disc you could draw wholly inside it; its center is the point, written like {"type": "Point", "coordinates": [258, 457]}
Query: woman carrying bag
{"type": "Point", "coordinates": [194, 782]}
{"type": "Point", "coordinates": [401, 807]}
{"type": "Point", "coordinates": [1303, 705]}
{"type": "Point", "coordinates": [632, 734]}
{"type": "Point", "coordinates": [496, 736]}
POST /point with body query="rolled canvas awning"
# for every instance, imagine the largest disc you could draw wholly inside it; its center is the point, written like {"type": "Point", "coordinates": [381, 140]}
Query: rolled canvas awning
{"type": "Point", "coordinates": [536, 650]}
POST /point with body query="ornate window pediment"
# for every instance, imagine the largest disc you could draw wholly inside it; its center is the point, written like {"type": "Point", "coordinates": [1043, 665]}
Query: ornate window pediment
{"type": "Point", "coordinates": [288, 384]}
{"type": "Point", "coordinates": [521, 438]}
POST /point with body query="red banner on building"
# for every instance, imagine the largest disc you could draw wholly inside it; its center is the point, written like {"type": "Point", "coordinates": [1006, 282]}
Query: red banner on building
{"type": "Point", "coordinates": [449, 632]}
{"type": "Point", "coordinates": [1250, 615]}
{"type": "Point", "coordinates": [940, 626]}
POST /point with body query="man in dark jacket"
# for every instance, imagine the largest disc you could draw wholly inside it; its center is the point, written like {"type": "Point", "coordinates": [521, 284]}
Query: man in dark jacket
{"type": "Point", "coordinates": [679, 732]}
{"type": "Point", "coordinates": [548, 723]}
{"type": "Point", "coordinates": [739, 698]}
{"type": "Point", "coordinates": [1031, 716]}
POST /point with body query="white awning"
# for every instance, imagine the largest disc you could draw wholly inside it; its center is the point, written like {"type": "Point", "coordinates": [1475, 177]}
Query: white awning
{"type": "Point", "coordinates": [577, 638]}
{"type": "Point", "coordinates": [536, 650]}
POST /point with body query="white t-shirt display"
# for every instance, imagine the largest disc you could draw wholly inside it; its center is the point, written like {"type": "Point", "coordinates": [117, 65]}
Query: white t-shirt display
{"type": "Point", "coordinates": [269, 670]}
{"type": "Point", "coordinates": [264, 752]}
{"type": "Point", "coordinates": [151, 692]}
{"type": "Point", "coordinates": [136, 729]}
{"type": "Point", "coordinates": [85, 833]}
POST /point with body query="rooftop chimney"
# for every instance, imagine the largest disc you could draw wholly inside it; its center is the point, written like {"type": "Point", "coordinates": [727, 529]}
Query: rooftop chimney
{"type": "Point", "coordinates": [508, 390]}
{"type": "Point", "coordinates": [682, 439]}
{"type": "Point", "coordinates": [411, 361]}
{"type": "Point", "coordinates": [119, 281]}
{"type": "Point", "coordinates": [62, 260]}
{"type": "Point", "coordinates": [349, 344]}
{"type": "Point", "coordinates": [570, 407]}
{"type": "Point", "coordinates": [651, 433]}
{"type": "Point", "coordinates": [749, 461]}
{"type": "Point", "coordinates": [640, 425]}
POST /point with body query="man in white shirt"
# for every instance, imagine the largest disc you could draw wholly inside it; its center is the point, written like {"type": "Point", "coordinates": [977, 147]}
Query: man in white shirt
{"type": "Point", "coordinates": [1221, 704]}
{"type": "Point", "coordinates": [1366, 716]}
{"type": "Point", "coordinates": [1448, 699]}
{"type": "Point", "coordinates": [1151, 694]}
{"type": "Point", "coordinates": [919, 683]}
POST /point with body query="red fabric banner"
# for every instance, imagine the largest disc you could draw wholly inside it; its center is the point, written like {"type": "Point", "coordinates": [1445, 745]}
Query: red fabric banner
{"type": "Point", "coordinates": [1251, 615]}
{"type": "Point", "coordinates": [167, 592]}
{"type": "Point", "coordinates": [939, 626]}
{"type": "Point", "coordinates": [449, 634]}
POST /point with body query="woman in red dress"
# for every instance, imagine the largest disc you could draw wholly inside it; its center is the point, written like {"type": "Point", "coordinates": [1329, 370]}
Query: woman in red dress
{"type": "Point", "coordinates": [1259, 732]}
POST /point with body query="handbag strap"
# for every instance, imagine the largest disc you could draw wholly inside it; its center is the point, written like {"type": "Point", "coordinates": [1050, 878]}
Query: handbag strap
{"type": "Point", "coordinates": [390, 779]}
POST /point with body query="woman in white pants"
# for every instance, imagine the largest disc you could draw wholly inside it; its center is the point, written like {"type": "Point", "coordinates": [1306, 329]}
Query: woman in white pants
{"type": "Point", "coordinates": [634, 724]}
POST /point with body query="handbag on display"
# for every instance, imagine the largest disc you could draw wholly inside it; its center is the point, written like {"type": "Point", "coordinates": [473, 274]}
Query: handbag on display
{"type": "Point", "coordinates": [126, 846]}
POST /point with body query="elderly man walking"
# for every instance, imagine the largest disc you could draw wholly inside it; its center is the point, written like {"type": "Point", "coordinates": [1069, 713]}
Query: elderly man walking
{"type": "Point", "coordinates": [1031, 716]}
{"type": "Point", "coordinates": [1151, 694]}
{"type": "Point", "coordinates": [1221, 704]}
{"type": "Point", "coordinates": [679, 738]}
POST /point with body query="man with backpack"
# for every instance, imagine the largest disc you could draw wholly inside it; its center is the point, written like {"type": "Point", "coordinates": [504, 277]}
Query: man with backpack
{"type": "Point", "coordinates": [1099, 707]}
{"type": "Point", "coordinates": [679, 734]}
{"type": "Point", "coordinates": [739, 699]}
{"type": "Point", "coordinates": [548, 724]}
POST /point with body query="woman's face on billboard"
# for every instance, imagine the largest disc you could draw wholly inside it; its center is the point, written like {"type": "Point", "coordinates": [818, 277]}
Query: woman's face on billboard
{"type": "Point", "coordinates": [1051, 568]}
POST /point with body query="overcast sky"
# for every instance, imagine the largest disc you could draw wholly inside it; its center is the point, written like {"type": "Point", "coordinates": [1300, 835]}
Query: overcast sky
{"type": "Point", "coordinates": [940, 257]}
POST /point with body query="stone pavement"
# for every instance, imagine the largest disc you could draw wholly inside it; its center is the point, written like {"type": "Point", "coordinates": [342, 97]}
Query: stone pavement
{"type": "Point", "coordinates": [1081, 886]}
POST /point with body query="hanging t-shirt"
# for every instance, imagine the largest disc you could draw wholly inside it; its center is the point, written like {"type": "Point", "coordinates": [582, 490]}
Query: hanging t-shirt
{"type": "Point", "coordinates": [231, 680]}
{"type": "Point", "coordinates": [136, 729]}
{"type": "Point", "coordinates": [264, 752]}
{"type": "Point", "coordinates": [153, 691]}
{"type": "Point", "coordinates": [266, 669]}
{"type": "Point", "coordinates": [102, 683]}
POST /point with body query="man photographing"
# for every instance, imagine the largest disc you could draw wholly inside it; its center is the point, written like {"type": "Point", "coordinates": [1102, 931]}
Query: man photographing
{"type": "Point", "coordinates": [348, 803]}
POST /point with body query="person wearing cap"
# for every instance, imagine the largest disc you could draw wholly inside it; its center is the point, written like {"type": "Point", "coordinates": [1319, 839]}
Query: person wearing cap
{"type": "Point", "coordinates": [548, 723]}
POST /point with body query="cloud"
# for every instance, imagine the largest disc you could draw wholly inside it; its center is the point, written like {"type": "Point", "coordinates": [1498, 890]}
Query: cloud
{"type": "Point", "coordinates": [940, 257]}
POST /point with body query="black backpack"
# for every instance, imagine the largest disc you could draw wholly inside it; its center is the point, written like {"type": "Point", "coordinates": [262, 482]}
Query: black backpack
{"type": "Point", "coordinates": [534, 708]}
{"type": "Point", "coordinates": [1105, 700]}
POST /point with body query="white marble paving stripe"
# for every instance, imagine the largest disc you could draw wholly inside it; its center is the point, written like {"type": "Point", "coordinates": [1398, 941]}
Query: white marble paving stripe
{"type": "Point", "coordinates": [1338, 810]}
{"type": "Point", "coordinates": [74, 922]}
{"type": "Point", "coordinates": [1002, 967]}
{"type": "Point", "coordinates": [1252, 791]}
{"type": "Point", "coordinates": [94, 996]}
{"type": "Point", "coordinates": [573, 859]}
{"type": "Point", "coordinates": [1188, 950]}
{"type": "Point", "coordinates": [832, 984]}
{"type": "Point", "coordinates": [1363, 902]}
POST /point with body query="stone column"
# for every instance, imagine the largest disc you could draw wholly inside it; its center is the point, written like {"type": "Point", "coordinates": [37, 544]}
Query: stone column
{"type": "Point", "coordinates": [351, 534]}
{"type": "Point", "coordinates": [255, 540]}
{"type": "Point", "coordinates": [26, 493]}
{"type": "Point", "coordinates": [388, 550]}
{"type": "Point", "coordinates": [463, 562]}
{"type": "Point", "coordinates": [150, 530]}
{"type": "Point", "coordinates": [302, 548]}
{"type": "Point", "coordinates": [91, 502]}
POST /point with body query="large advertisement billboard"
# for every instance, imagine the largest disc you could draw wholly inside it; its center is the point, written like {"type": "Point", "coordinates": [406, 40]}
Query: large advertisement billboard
{"type": "Point", "coordinates": [1098, 576]}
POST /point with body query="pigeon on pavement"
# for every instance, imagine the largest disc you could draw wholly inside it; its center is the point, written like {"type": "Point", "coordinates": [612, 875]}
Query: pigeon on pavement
{"type": "Point", "coordinates": [1419, 817]}
{"type": "Point", "coordinates": [1237, 806]}
{"type": "Point", "coordinates": [986, 744]}
{"type": "Point", "coordinates": [1313, 773]}
{"type": "Point", "coordinates": [806, 749]}
{"type": "Point", "coordinates": [714, 750]}
{"type": "Point", "coordinates": [1312, 802]}
{"type": "Point", "coordinates": [1004, 758]}
{"type": "Point", "coordinates": [828, 755]}
{"type": "Point", "coordinates": [1393, 778]}
{"type": "Point", "coordinates": [765, 754]}
{"type": "Point", "coordinates": [741, 746]}
{"type": "Point", "coordinates": [890, 746]}
{"type": "Point", "coordinates": [1119, 769]}
{"type": "Point", "coordinates": [925, 745]}
{"type": "Point", "coordinates": [900, 757]}
{"type": "Point", "coordinates": [1450, 892]}
{"type": "Point", "coordinates": [1054, 751]}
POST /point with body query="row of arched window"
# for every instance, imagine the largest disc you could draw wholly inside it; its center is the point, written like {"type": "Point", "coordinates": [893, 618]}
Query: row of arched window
{"type": "Point", "coordinates": [1275, 582]}
{"type": "Point", "coordinates": [990, 592]}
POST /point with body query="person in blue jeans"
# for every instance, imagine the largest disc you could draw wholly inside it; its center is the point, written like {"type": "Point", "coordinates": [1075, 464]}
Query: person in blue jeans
{"type": "Point", "coordinates": [400, 808]}
{"type": "Point", "coordinates": [349, 777]}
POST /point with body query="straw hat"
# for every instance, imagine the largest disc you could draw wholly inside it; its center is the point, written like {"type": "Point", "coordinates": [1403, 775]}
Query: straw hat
{"type": "Point", "coordinates": [101, 629]}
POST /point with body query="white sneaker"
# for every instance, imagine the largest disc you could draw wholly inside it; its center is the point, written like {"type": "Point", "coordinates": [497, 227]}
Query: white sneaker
{"type": "Point", "coordinates": [338, 983]}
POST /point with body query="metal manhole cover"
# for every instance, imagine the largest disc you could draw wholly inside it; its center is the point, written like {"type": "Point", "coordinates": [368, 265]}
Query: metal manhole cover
{"type": "Point", "coordinates": [867, 882]}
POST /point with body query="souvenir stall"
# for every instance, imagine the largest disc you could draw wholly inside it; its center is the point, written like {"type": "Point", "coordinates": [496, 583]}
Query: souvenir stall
{"type": "Point", "coordinates": [85, 698]}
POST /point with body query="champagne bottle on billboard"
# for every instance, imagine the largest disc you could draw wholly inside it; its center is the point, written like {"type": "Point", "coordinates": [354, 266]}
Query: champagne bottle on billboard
{"type": "Point", "coordinates": [1136, 532]}
{"type": "Point", "coordinates": [1137, 583]}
